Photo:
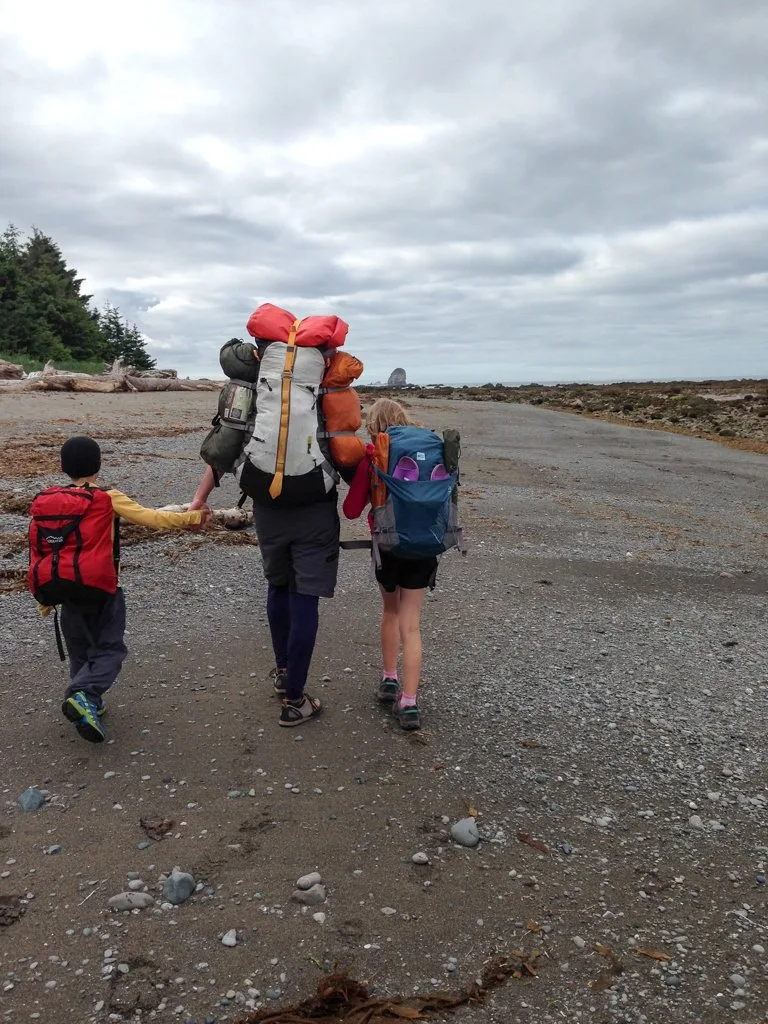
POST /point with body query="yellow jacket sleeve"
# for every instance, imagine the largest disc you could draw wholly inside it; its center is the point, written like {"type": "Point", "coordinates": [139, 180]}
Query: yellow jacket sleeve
{"type": "Point", "coordinates": [132, 512]}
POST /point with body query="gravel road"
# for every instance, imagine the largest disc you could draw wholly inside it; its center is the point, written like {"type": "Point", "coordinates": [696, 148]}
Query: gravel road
{"type": "Point", "coordinates": [595, 690]}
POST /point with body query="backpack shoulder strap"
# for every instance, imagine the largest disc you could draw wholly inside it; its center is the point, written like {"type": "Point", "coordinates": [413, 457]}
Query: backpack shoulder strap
{"type": "Point", "coordinates": [276, 487]}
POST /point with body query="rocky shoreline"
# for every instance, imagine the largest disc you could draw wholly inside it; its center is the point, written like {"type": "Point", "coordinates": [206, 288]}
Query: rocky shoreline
{"type": "Point", "coordinates": [734, 412]}
{"type": "Point", "coordinates": [581, 818]}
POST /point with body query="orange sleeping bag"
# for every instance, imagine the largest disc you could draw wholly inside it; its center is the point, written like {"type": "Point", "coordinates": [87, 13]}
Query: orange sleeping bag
{"type": "Point", "coordinates": [271, 323]}
{"type": "Point", "coordinates": [341, 409]}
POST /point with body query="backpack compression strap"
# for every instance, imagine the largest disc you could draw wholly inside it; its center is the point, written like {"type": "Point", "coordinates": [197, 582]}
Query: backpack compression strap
{"type": "Point", "coordinates": [276, 487]}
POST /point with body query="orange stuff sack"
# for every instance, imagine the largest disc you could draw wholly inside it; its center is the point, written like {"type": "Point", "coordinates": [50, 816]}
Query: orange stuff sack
{"type": "Point", "coordinates": [341, 410]}
{"type": "Point", "coordinates": [380, 462]}
{"type": "Point", "coordinates": [271, 323]}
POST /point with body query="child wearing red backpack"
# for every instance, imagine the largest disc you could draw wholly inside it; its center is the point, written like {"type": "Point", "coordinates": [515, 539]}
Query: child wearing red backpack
{"type": "Point", "coordinates": [403, 583]}
{"type": "Point", "coordinates": [74, 547]}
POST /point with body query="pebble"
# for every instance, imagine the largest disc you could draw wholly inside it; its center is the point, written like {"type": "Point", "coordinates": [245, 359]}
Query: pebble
{"type": "Point", "coordinates": [31, 799]}
{"type": "Point", "coordinates": [319, 917]}
{"type": "Point", "coordinates": [131, 901]}
{"type": "Point", "coordinates": [135, 885]}
{"type": "Point", "coordinates": [757, 948]}
{"type": "Point", "coordinates": [53, 849]}
{"type": "Point", "coordinates": [273, 994]}
{"type": "Point", "coordinates": [738, 980]}
{"type": "Point", "coordinates": [144, 844]}
{"type": "Point", "coordinates": [307, 881]}
{"type": "Point", "coordinates": [420, 858]}
{"type": "Point", "coordinates": [696, 821]}
{"type": "Point", "coordinates": [603, 822]}
{"type": "Point", "coordinates": [578, 942]}
{"type": "Point", "coordinates": [388, 911]}
{"type": "Point", "coordinates": [309, 897]}
{"type": "Point", "coordinates": [178, 887]}
{"type": "Point", "coordinates": [465, 833]}
{"type": "Point", "coordinates": [229, 938]}
{"type": "Point", "coordinates": [109, 775]}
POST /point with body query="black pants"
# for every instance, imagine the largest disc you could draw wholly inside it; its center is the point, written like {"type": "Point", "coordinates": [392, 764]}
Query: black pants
{"type": "Point", "coordinates": [95, 644]}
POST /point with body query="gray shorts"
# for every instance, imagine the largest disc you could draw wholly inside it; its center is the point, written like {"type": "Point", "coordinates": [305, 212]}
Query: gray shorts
{"type": "Point", "coordinates": [300, 547]}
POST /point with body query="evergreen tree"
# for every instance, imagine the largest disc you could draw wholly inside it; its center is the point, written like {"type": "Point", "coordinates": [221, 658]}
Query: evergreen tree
{"type": "Point", "coordinates": [135, 351]}
{"type": "Point", "coordinates": [45, 315]}
{"type": "Point", "coordinates": [124, 341]}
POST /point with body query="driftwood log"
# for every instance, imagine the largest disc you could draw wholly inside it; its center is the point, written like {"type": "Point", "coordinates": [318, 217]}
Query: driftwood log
{"type": "Point", "coordinates": [10, 371]}
{"type": "Point", "coordinates": [229, 518]}
{"type": "Point", "coordinates": [116, 378]}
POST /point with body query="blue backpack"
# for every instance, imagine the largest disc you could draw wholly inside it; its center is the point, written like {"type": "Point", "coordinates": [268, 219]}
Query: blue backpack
{"type": "Point", "coordinates": [415, 508]}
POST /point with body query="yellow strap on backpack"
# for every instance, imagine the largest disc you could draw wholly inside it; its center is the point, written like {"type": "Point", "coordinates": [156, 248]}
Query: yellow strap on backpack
{"type": "Point", "coordinates": [276, 487]}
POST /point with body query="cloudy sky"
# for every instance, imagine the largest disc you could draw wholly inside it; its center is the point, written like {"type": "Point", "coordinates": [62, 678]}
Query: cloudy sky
{"type": "Point", "coordinates": [559, 190]}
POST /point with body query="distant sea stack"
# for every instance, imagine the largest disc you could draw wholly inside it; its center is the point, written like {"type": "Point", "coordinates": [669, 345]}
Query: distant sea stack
{"type": "Point", "coordinates": [397, 378]}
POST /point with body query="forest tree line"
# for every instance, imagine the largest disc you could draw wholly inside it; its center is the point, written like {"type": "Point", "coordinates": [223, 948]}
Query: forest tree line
{"type": "Point", "coordinates": [45, 316]}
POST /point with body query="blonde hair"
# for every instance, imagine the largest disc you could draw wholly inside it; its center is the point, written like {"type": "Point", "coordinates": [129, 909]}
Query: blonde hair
{"type": "Point", "coordinates": [386, 412]}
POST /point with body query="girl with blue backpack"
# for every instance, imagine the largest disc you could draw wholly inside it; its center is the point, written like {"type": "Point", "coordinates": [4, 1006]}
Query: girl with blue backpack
{"type": "Point", "coordinates": [408, 478]}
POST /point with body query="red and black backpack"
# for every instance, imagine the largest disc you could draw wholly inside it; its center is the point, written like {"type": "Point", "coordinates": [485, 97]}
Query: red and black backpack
{"type": "Point", "coordinates": [73, 546]}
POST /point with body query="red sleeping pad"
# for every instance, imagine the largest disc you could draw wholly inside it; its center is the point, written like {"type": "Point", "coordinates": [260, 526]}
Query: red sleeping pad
{"type": "Point", "coordinates": [270, 323]}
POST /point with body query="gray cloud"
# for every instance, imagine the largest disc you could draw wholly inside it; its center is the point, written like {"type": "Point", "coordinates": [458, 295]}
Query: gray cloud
{"type": "Point", "coordinates": [516, 192]}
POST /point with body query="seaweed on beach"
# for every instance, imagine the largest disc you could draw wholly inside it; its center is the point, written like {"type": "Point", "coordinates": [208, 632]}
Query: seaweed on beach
{"type": "Point", "coordinates": [340, 999]}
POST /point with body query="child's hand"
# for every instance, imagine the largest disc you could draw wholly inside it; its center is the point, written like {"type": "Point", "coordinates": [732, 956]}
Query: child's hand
{"type": "Point", "coordinates": [205, 520]}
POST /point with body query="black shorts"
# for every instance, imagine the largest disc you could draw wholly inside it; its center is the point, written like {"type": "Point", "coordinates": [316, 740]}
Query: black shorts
{"type": "Point", "coordinates": [408, 573]}
{"type": "Point", "coordinates": [300, 547]}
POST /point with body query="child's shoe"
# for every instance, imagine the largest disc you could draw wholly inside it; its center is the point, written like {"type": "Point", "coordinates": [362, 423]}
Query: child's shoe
{"type": "Point", "coordinates": [407, 715]}
{"type": "Point", "coordinates": [85, 713]}
{"type": "Point", "coordinates": [388, 690]}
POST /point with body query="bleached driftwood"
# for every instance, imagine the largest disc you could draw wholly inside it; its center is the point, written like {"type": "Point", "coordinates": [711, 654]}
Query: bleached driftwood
{"type": "Point", "coordinates": [170, 384]}
{"type": "Point", "coordinates": [156, 374]}
{"type": "Point", "coordinates": [10, 371]}
{"type": "Point", "coordinates": [116, 378]}
{"type": "Point", "coordinates": [229, 518]}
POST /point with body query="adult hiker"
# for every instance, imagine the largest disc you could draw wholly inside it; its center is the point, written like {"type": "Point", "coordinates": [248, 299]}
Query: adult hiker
{"type": "Point", "coordinates": [286, 428]}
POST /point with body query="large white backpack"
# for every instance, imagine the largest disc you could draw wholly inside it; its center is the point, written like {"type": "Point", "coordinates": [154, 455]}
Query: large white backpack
{"type": "Point", "coordinates": [284, 464]}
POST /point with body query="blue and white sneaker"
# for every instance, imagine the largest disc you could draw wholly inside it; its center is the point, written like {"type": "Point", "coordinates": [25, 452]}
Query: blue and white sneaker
{"type": "Point", "coordinates": [85, 713]}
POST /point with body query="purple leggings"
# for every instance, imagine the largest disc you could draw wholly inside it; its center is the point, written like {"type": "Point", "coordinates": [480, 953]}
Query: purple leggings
{"type": "Point", "coordinates": [293, 620]}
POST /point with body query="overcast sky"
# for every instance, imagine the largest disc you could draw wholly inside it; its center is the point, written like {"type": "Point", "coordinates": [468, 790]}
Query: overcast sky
{"type": "Point", "coordinates": [558, 190]}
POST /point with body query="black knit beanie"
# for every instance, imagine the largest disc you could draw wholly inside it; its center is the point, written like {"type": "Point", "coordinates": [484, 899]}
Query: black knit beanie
{"type": "Point", "coordinates": [80, 456]}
